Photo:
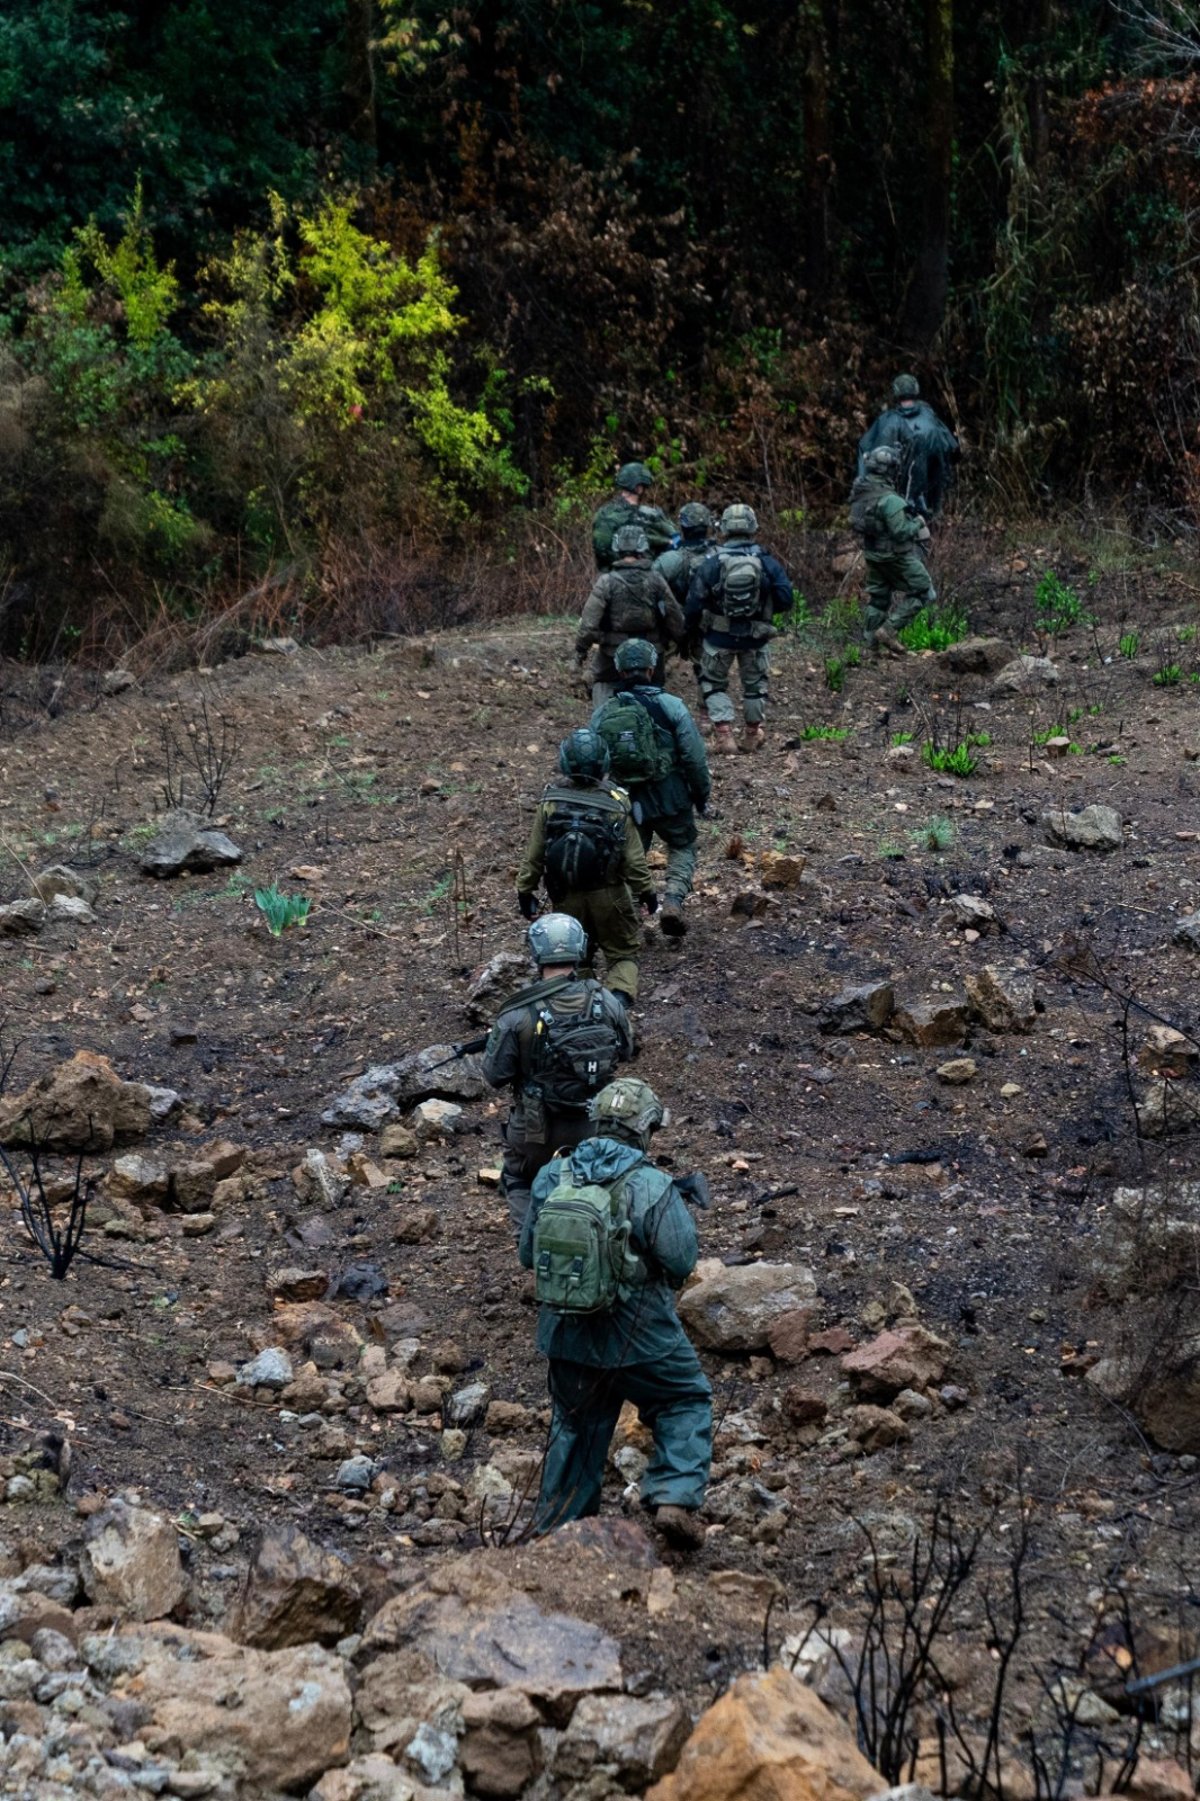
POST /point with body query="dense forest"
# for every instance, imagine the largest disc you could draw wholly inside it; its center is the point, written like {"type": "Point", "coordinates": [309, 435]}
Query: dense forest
{"type": "Point", "coordinates": [313, 293]}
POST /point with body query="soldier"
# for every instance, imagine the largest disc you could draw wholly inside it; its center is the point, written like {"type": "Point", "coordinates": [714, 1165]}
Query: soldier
{"type": "Point", "coordinates": [630, 600]}
{"type": "Point", "coordinates": [697, 539]}
{"type": "Point", "coordinates": [584, 844]}
{"type": "Point", "coordinates": [733, 598]}
{"type": "Point", "coordinates": [926, 446]}
{"type": "Point", "coordinates": [630, 507]}
{"type": "Point", "coordinates": [890, 531]}
{"type": "Point", "coordinates": [609, 1239]}
{"type": "Point", "coordinates": [557, 1043]}
{"type": "Point", "coordinates": [656, 750]}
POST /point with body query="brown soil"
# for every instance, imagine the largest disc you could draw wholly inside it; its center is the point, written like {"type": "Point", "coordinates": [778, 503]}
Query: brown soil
{"type": "Point", "coordinates": [380, 769]}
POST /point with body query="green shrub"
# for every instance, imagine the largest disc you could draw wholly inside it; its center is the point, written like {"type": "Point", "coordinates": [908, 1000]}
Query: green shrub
{"type": "Point", "coordinates": [1129, 645]}
{"type": "Point", "coordinates": [834, 734]}
{"type": "Point", "coordinates": [936, 834]}
{"type": "Point", "coordinates": [1168, 676]}
{"type": "Point", "coordinates": [935, 628]}
{"type": "Point", "coordinates": [281, 911]}
{"type": "Point", "coordinates": [1057, 606]}
{"type": "Point", "coordinates": [959, 761]}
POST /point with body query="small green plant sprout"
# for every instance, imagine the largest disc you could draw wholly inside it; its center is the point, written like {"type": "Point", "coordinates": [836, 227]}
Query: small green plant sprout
{"type": "Point", "coordinates": [935, 834]}
{"type": "Point", "coordinates": [1128, 645]}
{"type": "Point", "coordinates": [902, 738]}
{"type": "Point", "coordinates": [833, 734]}
{"type": "Point", "coordinates": [1186, 634]}
{"type": "Point", "coordinates": [1057, 607]}
{"type": "Point", "coordinates": [1169, 676]}
{"type": "Point", "coordinates": [835, 674]}
{"type": "Point", "coordinates": [281, 910]}
{"type": "Point", "coordinates": [935, 628]}
{"type": "Point", "coordinates": [960, 761]}
{"type": "Point", "coordinates": [978, 740]}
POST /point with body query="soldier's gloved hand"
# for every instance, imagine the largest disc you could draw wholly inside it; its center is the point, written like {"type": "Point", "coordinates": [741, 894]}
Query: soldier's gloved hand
{"type": "Point", "coordinates": [528, 905]}
{"type": "Point", "coordinates": [649, 902]}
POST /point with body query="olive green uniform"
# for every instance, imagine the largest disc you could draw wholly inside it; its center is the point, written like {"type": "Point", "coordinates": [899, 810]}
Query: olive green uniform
{"type": "Point", "coordinates": [889, 534]}
{"type": "Point", "coordinates": [630, 600]}
{"type": "Point", "coordinates": [637, 1351]}
{"type": "Point", "coordinates": [537, 1129]}
{"type": "Point", "coordinates": [618, 512]}
{"type": "Point", "coordinates": [666, 807]}
{"type": "Point", "coordinates": [677, 568]}
{"type": "Point", "coordinates": [608, 915]}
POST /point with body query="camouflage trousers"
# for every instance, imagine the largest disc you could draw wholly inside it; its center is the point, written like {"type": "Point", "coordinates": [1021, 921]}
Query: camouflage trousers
{"type": "Point", "coordinates": [524, 1157]}
{"type": "Point", "coordinates": [610, 919]}
{"type": "Point", "coordinates": [678, 833]}
{"type": "Point", "coordinates": [754, 667]}
{"type": "Point", "coordinates": [902, 574]}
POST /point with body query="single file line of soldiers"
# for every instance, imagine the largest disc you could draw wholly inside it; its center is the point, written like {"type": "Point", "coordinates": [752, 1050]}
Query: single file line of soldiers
{"type": "Point", "coordinates": [608, 1236]}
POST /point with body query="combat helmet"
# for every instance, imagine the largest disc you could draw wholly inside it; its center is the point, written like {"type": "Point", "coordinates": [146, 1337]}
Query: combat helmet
{"type": "Point", "coordinates": [739, 521]}
{"type": "Point", "coordinates": [629, 1105]}
{"type": "Point", "coordinates": [906, 387]}
{"type": "Point", "coordinates": [584, 754]}
{"type": "Point", "coordinates": [695, 517]}
{"type": "Point", "coordinates": [630, 541]}
{"type": "Point", "coordinates": [635, 654]}
{"type": "Point", "coordinates": [634, 475]}
{"type": "Point", "coordinates": [883, 460]}
{"type": "Point", "coordinates": [557, 938]}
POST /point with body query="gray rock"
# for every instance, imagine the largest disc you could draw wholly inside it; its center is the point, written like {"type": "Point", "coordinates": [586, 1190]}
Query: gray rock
{"type": "Point", "coordinates": [492, 985]}
{"type": "Point", "coordinates": [639, 1741]}
{"type": "Point", "coordinates": [320, 1181]}
{"type": "Point", "coordinates": [733, 1308]}
{"type": "Point", "coordinates": [1095, 828]}
{"type": "Point", "coordinates": [437, 1119]}
{"type": "Point", "coordinates": [57, 880]}
{"type": "Point", "coordinates": [865, 1008]}
{"type": "Point", "coordinates": [163, 1102]}
{"type": "Point", "coordinates": [970, 913]}
{"type": "Point", "coordinates": [117, 680]}
{"type": "Point", "coordinates": [185, 844]}
{"type": "Point", "coordinates": [934, 1022]}
{"type": "Point", "coordinates": [418, 1078]}
{"type": "Point", "coordinates": [356, 1474]}
{"type": "Point", "coordinates": [434, 1751]}
{"type": "Point", "coordinates": [70, 909]}
{"type": "Point", "coordinates": [468, 1405]}
{"type": "Point", "coordinates": [1187, 932]}
{"type": "Point", "coordinates": [1026, 674]}
{"type": "Point", "coordinates": [22, 918]}
{"type": "Point", "coordinates": [272, 1368]}
{"type": "Point", "coordinates": [276, 647]}
{"type": "Point", "coordinates": [368, 1103]}
{"type": "Point", "coordinates": [1168, 1108]}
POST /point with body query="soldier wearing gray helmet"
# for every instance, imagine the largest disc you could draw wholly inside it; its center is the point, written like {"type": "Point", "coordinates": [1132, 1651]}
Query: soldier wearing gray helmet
{"type": "Point", "coordinates": [630, 600]}
{"type": "Point", "coordinates": [733, 598]}
{"type": "Point", "coordinates": [891, 533]}
{"type": "Point", "coordinates": [698, 539]}
{"type": "Point", "coordinates": [629, 506]}
{"type": "Point", "coordinates": [555, 1044]}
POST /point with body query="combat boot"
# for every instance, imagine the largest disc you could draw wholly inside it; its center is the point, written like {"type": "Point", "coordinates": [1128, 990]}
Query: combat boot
{"type": "Point", "coordinates": [670, 914]}
{"type": "Point", "coordinates": [886, 640]}
{"type": "Point", "coordinates": [682, 1527]}
{"type": "Point", "coordinates": [754, 739]}
{"type": "Point", "coordinates": [723, 743]}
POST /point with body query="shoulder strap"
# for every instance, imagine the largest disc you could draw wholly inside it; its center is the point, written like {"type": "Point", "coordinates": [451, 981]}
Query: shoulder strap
{"type": "Point", "coordinates": [652, 705]}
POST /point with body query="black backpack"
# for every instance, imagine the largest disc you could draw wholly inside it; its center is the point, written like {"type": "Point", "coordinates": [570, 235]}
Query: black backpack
{"type": "Point", "coordinates": [585, 845]}
{"type": "Point", "coordinates": [576, 1048]}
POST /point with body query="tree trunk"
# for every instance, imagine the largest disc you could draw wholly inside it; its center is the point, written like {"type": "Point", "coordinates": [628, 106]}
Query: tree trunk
{"type": "Point", "coordinates": [925, 303]}
{"type": "Point", "coordinates": [818, 156]}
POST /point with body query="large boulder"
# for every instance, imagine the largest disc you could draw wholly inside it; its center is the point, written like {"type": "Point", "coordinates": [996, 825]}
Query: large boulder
{"type": "Point", "coordinates": [908, 1357]}
{"type": "Point", "coordinates": [1095, 828]}
{"type": "Point", "coordinates": [933, 1023]}
{"type": "Point", "coordinates": [866, 1007]}
{"type": "Point", "coordinates": [185, 844]}
{"type": "Point", "coordinates": [56, 882]}
{"type": "Point", "coordinates": [81, 1105]}
{"type": "Point", "coordinates": [769, 1739]}
{"type": "Point", "coordinates": [22, 918]}
{"type": "Point", "coordinates": [732, 1308]}
{"type": "Point", "coordinates": [473, 1628]}
{"type": "Point", "coordinates": [975, 656]}
{"type": "Point", "coordinates": [1025, 675]}
{"type": "Point", "coordinates": [635, 1741]}
{"type": "Point", "coordinates": [295, 1594]}
{"type": "Point", "coordinates": [382, 1092]}
{"type": "Point", "coordinates": [494, 984]}
{"type": "Point", "coordinates": [1163, 1391]}
{"type": "Point", "coordinates": [276, 1719]}
{"type": "Point", "coordinates": [131, 1562]}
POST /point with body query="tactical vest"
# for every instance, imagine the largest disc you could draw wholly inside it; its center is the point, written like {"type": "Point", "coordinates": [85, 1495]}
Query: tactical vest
{"type": "Point", "coordinates": [570, 1049]}
{"type": "Point", "coordinates": [633, 606]}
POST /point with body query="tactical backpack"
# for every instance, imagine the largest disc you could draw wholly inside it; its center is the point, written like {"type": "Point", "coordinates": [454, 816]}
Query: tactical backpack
{"type": "Point", "coordinates": [640, 750]}
{"type": "Point", "coordinates": [575, 1048]}
{"type": "Point", "coordinates": [584, 845]}
{"type": "Point", "coordinates": [739, 583]}
{"type": "Point", "coordinates": [865, 497]}
{"type": "Point", "coordinates": [581, 1254]}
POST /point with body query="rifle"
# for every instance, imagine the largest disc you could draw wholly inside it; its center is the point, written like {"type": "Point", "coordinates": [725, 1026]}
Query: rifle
{"type": "Point", "coordinates": [470, 1048]}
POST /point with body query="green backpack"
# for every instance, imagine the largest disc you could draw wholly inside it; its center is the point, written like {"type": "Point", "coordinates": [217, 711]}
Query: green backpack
{"type": "Point", "coordinates": [581, 1252]}
{"type": "Point", "coordinates": [636, 751]}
